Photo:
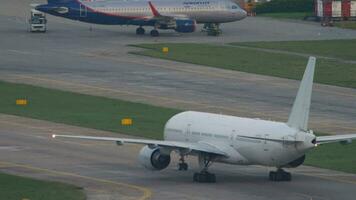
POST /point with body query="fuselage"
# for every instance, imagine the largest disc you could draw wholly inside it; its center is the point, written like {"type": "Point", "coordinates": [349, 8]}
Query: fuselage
{"type": "Point", "coordinates": [116, 12]}
{"type": "Point", "coordinates": [248, 141]}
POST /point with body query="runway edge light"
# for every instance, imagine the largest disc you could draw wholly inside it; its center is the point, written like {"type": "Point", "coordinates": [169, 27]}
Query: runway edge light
{"type": "Point", "coordinates": [126, 122]}
{"type": "Point", "coordinates": [165, 49]}
{"type": "Point", "coordinates": [21, 102]}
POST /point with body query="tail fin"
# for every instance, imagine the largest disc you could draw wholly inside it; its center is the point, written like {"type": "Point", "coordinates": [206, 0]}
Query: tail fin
{"type": "Point", "coordinates": [299, 116]}
{"type": "Point", "coordinates": [154, 10]}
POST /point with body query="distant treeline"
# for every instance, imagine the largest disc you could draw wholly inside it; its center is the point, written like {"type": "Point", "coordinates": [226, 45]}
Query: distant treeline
{"type": "Point", "coordinates": [285, 6]}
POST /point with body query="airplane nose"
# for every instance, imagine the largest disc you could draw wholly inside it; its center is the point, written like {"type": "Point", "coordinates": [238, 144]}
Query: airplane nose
{"type": "Point", "coordinates": [243, 13]}
{"type": "Point", "coordinates": [45, 8]}
{"type": "Point", "coordinates": [42, 8]}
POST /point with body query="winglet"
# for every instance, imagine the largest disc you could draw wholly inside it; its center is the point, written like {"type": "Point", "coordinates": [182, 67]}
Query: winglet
{"type": "Point", "coordinates": [299, 116]}
{"type": "Point", "coordinates": [153, 9]}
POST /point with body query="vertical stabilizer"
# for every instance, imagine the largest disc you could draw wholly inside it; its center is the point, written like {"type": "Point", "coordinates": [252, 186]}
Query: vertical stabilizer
{"type": "Point", "coordinates": [299, 116]}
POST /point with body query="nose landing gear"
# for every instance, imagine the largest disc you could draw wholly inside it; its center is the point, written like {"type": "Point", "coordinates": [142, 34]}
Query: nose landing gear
{"type": "Point", "coordinates": [154, 33]}
{"type": "Point", "coordinates": [280, 175]}
{"type": "Point", "coordinates": [212, 29]}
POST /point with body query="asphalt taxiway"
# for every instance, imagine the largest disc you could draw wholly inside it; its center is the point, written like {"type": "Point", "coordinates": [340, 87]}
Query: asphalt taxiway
{"type": "Point", "coordinates": [72, 56]}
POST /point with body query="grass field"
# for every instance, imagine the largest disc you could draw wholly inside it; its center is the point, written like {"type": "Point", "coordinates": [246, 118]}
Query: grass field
{"type": "Point", "coordinates": [102, 113]}
{"type": "Point", "coordinates": [286, 15]}
{"type": "Point", "coordinates": [334, 156]}
{"type": "Point", "coordinates": [342, 49]}
{"type": "Point", "coordinates": [84, 110]}
{"type": "Point", "coordinates": [17, 188]}
{"type": "Point", "coordinates": [254, 61]}
{"type": "Point", "coordinates": [346, 24]}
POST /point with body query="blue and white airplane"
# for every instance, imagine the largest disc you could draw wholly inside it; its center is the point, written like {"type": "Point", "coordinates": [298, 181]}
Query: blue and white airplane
{"type": "Point", "coordinates": [179, 15]}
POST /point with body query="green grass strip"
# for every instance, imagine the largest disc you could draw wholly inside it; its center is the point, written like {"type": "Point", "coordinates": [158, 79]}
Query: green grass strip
{"type": "Point", "coordinates": [84, 110]}
{"type": "Point", "coordinates": [334, 156]}
{"type": "Point", "coordinates": [17, 188]}
{"type": "Point", "coordinates": [341, 49]}
{"type": "Point", "coordinates": [254, 61]}
{"type": "Point", "coordinates": [346, 24]}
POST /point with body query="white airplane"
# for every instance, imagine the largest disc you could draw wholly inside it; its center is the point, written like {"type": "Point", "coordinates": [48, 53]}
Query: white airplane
{"type": "Point", "coordinates": [235, 140]}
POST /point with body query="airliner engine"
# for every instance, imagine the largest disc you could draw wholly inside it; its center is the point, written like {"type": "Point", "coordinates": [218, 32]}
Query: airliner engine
{"type": "Point", "coordinates": [154, 159]}
{"type": "Point", "coordinates": [179, 25]}
{"type": "Point", "coordinates": [185, 26]}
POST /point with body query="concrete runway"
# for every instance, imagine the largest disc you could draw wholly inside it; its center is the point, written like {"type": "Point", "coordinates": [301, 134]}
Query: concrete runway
{"type": "Point", "coordinates": [107, 171]}
{"type": "Point", "coordinates": [71, 57]}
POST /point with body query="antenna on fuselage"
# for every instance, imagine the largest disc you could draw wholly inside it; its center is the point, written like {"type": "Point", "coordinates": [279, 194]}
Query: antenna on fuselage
{"type": "Point", "coordinates": [299, 115]}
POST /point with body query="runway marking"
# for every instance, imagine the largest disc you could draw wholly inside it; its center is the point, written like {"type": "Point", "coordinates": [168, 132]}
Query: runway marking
{"type": "Point", "coordinates": [236, 110]}
{"type": "Point", "coordinates": [22, 52]}
{"type": "Point", "coordinates": [146, 193]}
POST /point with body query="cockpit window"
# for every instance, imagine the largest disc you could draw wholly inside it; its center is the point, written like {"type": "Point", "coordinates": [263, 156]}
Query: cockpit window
{"type": "Point", "coordinates": [234, 7]}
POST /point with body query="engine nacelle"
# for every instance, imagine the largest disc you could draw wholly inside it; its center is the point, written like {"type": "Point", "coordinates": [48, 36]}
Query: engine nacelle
{"type": "Point", "coordinates": [296, 162]}
{"type": "Point", "coordinates": [185, 25]}
{"type": "Point", "coordinates": [154, 159]}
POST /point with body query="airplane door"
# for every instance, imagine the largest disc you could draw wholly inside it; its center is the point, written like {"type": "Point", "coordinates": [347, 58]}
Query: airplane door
{"type": "Point", "coordinates": [83, 10]}
{"type": "Point", "coordinates": [232, 138]}
{"type": "Point", "coordinates": [265, 143]}
{"type": "Point", "coordinates": [187, 132]}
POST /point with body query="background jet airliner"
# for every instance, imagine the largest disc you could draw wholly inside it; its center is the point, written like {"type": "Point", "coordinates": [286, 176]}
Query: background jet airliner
{"type": "Point", "coordinates": [179, 15]}
{"type": "Point", "coordinates": [235, 140]}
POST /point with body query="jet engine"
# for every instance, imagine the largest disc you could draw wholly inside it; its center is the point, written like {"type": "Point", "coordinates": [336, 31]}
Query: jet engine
{"type": "Point", "coordinates": [185, 25]}
{"type": "Point", "coordinates": [153, 158]}
{"type": "Point", "coordinates": [296, 162]}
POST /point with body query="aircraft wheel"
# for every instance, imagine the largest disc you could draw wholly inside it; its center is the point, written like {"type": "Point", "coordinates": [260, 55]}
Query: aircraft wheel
{"type": "Point", "coordinates": [140, 31]}
{"type": "Point", "coordinates": [204, 177]}
{"type": "Point", "coordinates": [182, 166]}
{"type": "Point", "coordinates": [280, 175]}
{"type": "Point", "coordinates": [154, 33]}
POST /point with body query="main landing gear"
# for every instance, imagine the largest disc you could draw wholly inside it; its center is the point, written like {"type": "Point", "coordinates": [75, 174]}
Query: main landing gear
{"type": "Point", "coordinates": [212, 29]}
{"type": "Point", "coordinates": [154, 33]}
{"type": "Point", "coordinates": [280, 175]}
{"type": "Point", "coordinates": [204, 176]}
{"type": "Point", "coordinates": [140, 31]}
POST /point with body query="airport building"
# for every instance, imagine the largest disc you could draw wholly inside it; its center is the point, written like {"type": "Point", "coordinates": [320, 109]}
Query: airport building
{"type": "Point", "coordinates": [336, 9]}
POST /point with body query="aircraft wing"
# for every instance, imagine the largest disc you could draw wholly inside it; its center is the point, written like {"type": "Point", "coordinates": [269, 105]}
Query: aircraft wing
{"type": "Point", "coordinates": [186, 146]}
{"type": "Point", "coordinates": [335, 138]}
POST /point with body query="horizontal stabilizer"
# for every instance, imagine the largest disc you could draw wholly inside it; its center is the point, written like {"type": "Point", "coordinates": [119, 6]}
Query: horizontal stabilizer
{"type": "Point", "coordinates": [335, 138]}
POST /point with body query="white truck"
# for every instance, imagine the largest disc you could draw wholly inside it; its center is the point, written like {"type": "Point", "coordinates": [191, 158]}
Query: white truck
{"type": "Point", "coordinates": [37, 21]}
